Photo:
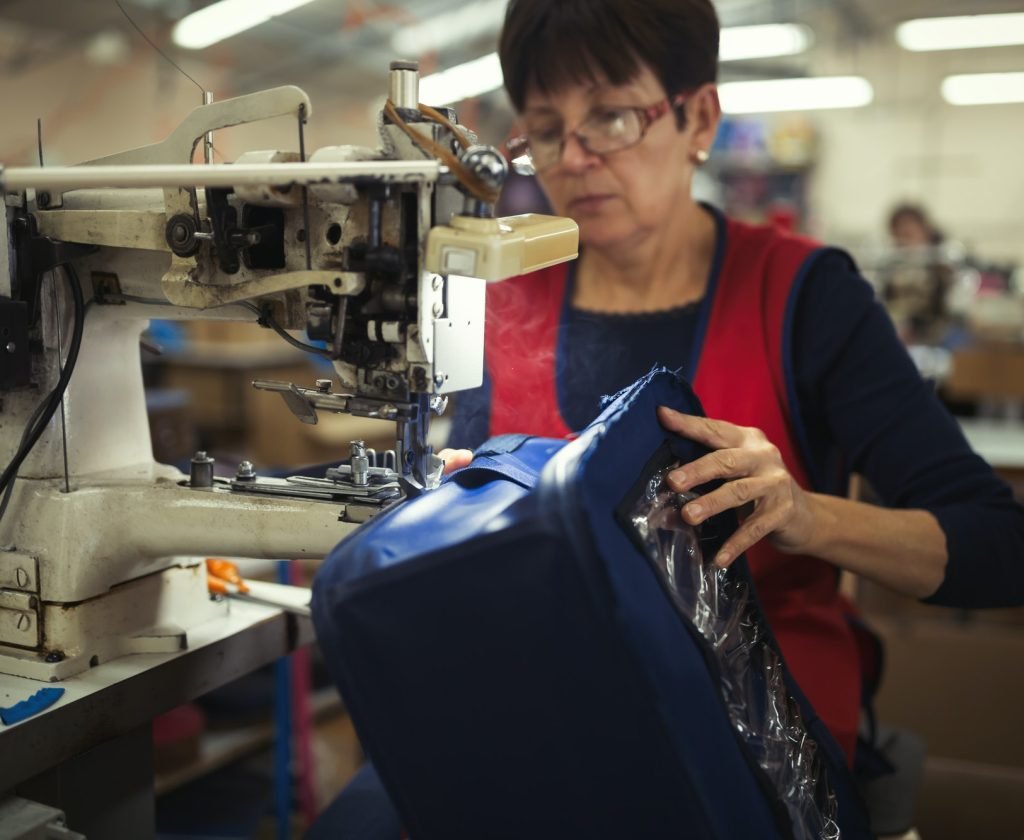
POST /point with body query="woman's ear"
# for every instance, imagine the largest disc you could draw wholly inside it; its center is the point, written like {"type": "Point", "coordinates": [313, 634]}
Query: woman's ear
{"type": "Point", "coordinates": [704, 112]}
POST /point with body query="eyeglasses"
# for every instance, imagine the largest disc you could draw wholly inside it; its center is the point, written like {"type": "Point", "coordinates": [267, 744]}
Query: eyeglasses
{"type": "Point", "coordinates": [606, 129]}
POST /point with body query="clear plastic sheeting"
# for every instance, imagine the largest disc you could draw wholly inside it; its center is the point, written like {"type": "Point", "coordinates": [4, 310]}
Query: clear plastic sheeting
{"type": "Point", "coordinates": [721, 607]}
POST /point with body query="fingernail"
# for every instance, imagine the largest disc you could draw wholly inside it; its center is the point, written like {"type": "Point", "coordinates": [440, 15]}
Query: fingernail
{"type": "Point", "coordinates": [722, 560]}
{"type": "Point", "coordinates": [676, 480]}
{"type": "Point", "coordinates": [695, 511]}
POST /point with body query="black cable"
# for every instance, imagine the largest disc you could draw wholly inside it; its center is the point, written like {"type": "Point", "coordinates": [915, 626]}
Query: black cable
{"type": "Point", "coordinates": [149, 41]}
{"type": "Point", "coordinates": [53, 400]}
{"type": "Point", "coordinates": [263, 317]}
{"type": "Point", "coordinates": [28, 430]}
{"type": "Point", "coordinates": [268, 319]}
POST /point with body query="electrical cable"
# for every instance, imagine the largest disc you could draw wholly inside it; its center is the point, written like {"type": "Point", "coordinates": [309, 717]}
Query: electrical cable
{"type": "Point", "coordinates": [35, 429]}
{"type": "Point", "coordinates": [266, 318]}
{"type": "Point", "coordinates": [44, 412]}
{"type": "Point", "coordinates": [136, 299]}
{"type": "Point", "coordinates": [472, 182]}
{"type": "Point", "coordinates": [263, 317]}
{"type": "Point", "coordinates": [24, 437]}
{"type": "Point", "coordinates": [149, 41]}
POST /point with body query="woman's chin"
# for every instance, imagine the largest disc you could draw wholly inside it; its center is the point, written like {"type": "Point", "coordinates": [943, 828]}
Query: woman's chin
{"type": "Point", "coordinates": [603, 233]}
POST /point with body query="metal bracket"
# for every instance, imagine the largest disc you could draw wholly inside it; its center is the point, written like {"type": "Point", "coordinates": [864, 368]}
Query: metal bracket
{"type": "Point", "coordinates": [34, 256]}
{"type": "Point", "coordinates": [23, 819]}
{"type": "Point", "coordinates": [15, 359]}
{"type": "Point", "coordinates": [19, 571]}
{"type": "Point", "coordinates": [180, 144]}
{"type": "Point", "coordinates": [19, 619]}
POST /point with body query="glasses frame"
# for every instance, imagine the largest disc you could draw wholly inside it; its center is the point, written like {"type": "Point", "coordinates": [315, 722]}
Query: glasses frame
{"type": "Point", "coordinates": [519, 147]}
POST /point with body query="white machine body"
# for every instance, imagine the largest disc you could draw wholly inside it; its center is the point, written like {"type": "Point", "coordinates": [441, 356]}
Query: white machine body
{"type": "Point", "coordinates": [103, 558]}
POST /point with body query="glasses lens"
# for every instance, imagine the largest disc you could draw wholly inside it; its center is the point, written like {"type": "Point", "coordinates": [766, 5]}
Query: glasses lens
{"type": "Point", "coordinates": [545, 149]}
{"type": "Point", "coordinates": [523, 165]}
{"type": "Point", "coordinates": [610, 129]}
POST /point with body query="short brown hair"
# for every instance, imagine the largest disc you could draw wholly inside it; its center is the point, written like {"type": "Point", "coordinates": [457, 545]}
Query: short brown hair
{"type": "Point", "coordinates": [547, 44]}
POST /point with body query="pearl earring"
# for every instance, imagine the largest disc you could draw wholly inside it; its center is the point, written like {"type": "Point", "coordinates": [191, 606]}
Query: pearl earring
{"type": "Point", "coordinates": [701, 156]}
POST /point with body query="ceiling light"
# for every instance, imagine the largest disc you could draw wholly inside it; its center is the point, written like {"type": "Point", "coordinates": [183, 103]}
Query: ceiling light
{"type": "Point", "coordinates": [983, 89]}
{"type": "Point", "coordinates": [773, 39]}
{"type": "Point", "coordinates": [108, 48]}
{"type": "Point", "coordinates": [795, 94]}
{"type": "Point", "coordinates": [961, 33]}
{"type": "Point", "coordinates": [450, 28]}
{"type": "Point", "coordinates": [225, 18]}
{"type": "Point", "coordinates": [464, 81]}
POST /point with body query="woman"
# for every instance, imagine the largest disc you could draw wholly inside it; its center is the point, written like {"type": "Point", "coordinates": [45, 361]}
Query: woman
{"type": "Point", "coordinates": [798, 367]}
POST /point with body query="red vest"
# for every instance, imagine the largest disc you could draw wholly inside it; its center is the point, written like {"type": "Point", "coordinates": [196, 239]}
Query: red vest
{"type": "Point", "coordinates": [739, 378]}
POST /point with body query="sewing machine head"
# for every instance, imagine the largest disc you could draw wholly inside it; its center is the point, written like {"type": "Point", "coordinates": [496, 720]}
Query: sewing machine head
{"type": "Point", "coordinates": [380, 255]}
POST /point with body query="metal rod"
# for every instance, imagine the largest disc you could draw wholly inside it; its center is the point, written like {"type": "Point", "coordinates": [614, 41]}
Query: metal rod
{"type": "Point", "coordinates": [404, 84]}
{"type": "Point", "coordinates": [208, 137]}
{"type": "Point", "coordinates": [305, 190]}
{"type": "Point", "coordinates": [56, 178]}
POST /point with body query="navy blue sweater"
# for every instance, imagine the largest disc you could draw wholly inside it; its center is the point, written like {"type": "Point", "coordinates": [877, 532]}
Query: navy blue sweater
{"type": "Point", "coordinates": [862, 404]}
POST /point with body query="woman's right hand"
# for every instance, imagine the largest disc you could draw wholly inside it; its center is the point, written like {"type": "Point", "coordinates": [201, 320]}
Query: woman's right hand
{"type": "Point", "coordinates": [455, 459]}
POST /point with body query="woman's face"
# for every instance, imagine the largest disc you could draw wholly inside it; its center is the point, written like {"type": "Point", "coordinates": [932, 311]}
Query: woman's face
{"type": "Point", "coordinates": [910, 231]}
{"type": "Point", "coordinates": [621, 196]}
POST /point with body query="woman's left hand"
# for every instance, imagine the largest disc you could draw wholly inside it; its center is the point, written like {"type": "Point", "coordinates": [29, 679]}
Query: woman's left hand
{"type": "Point", "coordinates": [754, 474]}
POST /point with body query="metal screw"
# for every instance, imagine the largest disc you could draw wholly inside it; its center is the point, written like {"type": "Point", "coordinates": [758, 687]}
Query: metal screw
{"type": "Point", "coordinates": [439, 379]}
{"type": "Point", "coordinates": [360, 463]}
{"type": "Point", "coordinates": [55, 656]}
{"type": "Point", "coordinates": [323, 386]}
{"type": "Point", "coordinates": [22, 577]}
{"type": "Point", "coordinates": [24, 623]}
{"type": "Point", "coordinates": [246, 471]}
{"type": "Point", "coordinates": [43, 199]}
{"type": "Point", "coordinates": [437, 283]}
{"type": "Point", "coordinates": [201, 470]}
{"type": "Point", "coordinates": [438, 309]}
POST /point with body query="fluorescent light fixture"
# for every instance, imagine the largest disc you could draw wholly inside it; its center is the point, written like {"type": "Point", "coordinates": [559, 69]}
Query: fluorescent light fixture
{"type": "Point", "coordinates": [961, 33]}
{"type": "Point", "coordinates": [813, 94]}
{"type": "Point", "coordinates": [464, 81]}
{"type": "Point", "coordinates": [226, 18]}
{"type": "Point", "coordinates": [983, 89]}
{"type": "Point", "coordinates": [742, 42]}
{"type": "Point", "coordinates": [449, 28]}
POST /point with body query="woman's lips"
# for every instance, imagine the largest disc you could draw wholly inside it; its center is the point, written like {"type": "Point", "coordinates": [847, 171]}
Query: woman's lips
{"type": "Point", "coordinates": [590, 203]}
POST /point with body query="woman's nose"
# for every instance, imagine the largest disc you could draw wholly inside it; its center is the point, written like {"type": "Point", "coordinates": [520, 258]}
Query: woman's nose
{"type": "Point", "coordinates": [575, 157]}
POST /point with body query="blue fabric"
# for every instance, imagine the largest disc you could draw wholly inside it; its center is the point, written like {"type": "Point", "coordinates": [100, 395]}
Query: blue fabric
{"type": "Point", "coordinates": [362, 812]}
{"type": "Point", "coordinates": [515, 669]}
{"type": "Point", "coordinates": [861, 406]}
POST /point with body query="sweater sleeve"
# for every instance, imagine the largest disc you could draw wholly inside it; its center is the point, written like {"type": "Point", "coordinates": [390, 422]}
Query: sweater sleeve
{"type": "Point", "coordinates": [859, 393]}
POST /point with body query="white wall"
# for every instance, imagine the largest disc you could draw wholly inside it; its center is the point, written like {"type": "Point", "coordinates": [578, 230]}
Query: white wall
{"type": "Point", "coordinates": [89, 111]}
{"type": "Point", "coordinates": [965, 164]}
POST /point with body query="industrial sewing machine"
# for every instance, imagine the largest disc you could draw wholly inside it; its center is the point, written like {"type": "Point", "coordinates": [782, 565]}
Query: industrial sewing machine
{"type": "Point", "coordinates": [380, 255]}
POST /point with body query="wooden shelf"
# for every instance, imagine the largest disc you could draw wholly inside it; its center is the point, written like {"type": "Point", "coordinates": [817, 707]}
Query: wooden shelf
{"type": "Point", "coordinates": [218, 749]}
